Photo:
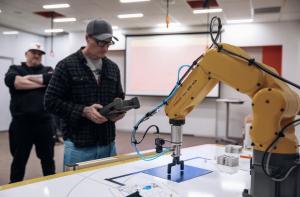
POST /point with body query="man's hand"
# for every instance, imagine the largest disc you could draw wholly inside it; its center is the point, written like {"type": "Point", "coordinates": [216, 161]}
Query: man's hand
{"type": "Point", "coordinates": [91, 113]}
{"type": "Point", "coordinates": [118, 117]}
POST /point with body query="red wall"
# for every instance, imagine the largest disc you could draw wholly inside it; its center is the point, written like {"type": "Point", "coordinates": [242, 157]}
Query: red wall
{"type": "Point", "coordinates": [272, 56]}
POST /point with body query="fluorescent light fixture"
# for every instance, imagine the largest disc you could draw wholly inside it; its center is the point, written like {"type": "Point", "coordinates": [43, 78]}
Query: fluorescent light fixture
{"type": "Point", "coordinates": [205, 11]}
{"type": "Point", "coordinates": [10, 32]}
{"type": "Point", "coordinates": [53, 30]}
{"type": "Point", "coordinates": [137, 15]}
{"type": "Point", "coordinates": [250, 20]}
{"type": "Point", "coordinates": [115, 27]}
{"type": "Point", "coordinates": [63, 20]}
{"type": "Point", "coordinates": [132, 1]}
{"type": "Point", "coordinates": [53, 6]}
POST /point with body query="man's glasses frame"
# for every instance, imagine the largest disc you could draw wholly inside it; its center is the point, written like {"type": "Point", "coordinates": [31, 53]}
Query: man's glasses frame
{"type": "Point", "coordinates": [103, 43]}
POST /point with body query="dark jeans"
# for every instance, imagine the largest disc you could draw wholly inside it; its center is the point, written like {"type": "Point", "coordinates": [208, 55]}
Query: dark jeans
{"type": "Point", "coordinates": [22, 136]}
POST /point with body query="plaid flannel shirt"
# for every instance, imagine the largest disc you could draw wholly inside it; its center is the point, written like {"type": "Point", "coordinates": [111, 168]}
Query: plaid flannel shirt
{"type": "Point", "coordinates": [72, 87]}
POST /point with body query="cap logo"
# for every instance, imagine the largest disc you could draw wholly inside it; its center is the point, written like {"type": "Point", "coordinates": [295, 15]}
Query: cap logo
{"type": "Point", "coordinates": [38, 46]}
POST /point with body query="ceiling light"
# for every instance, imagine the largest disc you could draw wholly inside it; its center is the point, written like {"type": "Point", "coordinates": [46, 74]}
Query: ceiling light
{"type": "Point", "coordinates": [62, 20]}
{"type": "Point", "coordinates": [10, 32]}
{"type": "Point", "coordinates": [205, 11]}
{"type": "Point", "coordinates": [250, 20]}
{"type": "Point", "coordinates": [138, 15]}
{"type": "Point", "coordinates": [53, 30]}
{"type": "Point", "coordinates": [132, 1]}
{"type": "Point", "coordinates": [115, 27]}
{"type": "Point", "coordinates": [0, 11]}
{"type": "Point", "coordinates": [53, 6]}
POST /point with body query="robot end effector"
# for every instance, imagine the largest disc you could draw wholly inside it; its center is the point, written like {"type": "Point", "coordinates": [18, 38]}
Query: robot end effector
{"type": "Point", "coordinates": [176, 142]}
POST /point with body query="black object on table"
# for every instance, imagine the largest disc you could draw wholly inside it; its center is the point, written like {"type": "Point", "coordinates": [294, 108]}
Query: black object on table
{"type": "Point", "coordinates": [135, 194]}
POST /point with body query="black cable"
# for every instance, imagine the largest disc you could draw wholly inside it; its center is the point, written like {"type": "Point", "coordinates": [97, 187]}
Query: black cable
{"type": "Point", "coordinates": [264, 156]}
{"type": "Point", "coordinates": [259, 66]}
{"type": "Point", "coordinates": [215, 39]}
{"type": "Point", "coordinates": [250, 61]}
{"type": "Point", "coordinates": [279, 135]}
{"type": "Point", "coordinates": [145, 133]}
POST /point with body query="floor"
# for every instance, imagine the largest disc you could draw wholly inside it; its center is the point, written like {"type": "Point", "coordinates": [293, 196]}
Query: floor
{"type": "Point", "coordinates": [123, 146]}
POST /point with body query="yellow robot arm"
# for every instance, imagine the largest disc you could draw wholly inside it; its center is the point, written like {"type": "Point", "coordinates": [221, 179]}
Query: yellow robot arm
{"type": "Point", "coordinates": [274, 107]}
{"type": "Point", "coordinates": [275, 165]}
{"type": "Point", "coordinates": [274, 104]}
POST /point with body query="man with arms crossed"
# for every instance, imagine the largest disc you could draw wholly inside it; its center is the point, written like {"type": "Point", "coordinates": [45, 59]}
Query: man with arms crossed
{"type": "Point", "coordinates": [31, 124]}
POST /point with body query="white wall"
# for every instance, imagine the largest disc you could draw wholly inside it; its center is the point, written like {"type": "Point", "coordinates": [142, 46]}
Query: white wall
{"type": "Point", "coordinates": [12, 46]}
{"type": "Point", "coordinates": [15, 45]}
{"type": "Point", "coordinates": [5, 96]}
{"type": "Point", "coordinates": [60, 49]}
{"type": "Point", "coordinates": [209, 117]}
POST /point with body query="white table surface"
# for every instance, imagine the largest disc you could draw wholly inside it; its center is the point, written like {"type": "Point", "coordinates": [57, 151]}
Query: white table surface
{"type": "Point", "coordinates": [93, 183]}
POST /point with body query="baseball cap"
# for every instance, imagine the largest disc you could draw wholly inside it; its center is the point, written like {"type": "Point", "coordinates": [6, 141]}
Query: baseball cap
{"type": "Point", "coordinates": [36, 47]}
{"type": "Point", "coordinates": [100, 30]}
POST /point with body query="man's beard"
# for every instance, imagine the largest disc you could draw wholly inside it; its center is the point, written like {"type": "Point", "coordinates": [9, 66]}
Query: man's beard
{"type": "Point", "coordinates": [36, 62]}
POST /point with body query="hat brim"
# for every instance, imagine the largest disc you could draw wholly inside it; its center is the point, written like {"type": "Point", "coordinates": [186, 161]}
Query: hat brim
{"type": "Point", "coordinates": [105, 36]}
{"type": "Point", "coordinates": [43, 52]}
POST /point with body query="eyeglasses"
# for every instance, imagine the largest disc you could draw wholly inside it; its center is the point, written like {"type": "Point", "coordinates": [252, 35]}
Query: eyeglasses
{"type": "Point", "coordinates": [104, 43]}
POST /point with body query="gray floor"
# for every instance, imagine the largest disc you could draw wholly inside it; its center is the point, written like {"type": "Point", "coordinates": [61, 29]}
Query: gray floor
{"type": "Point", "coordinates": [34, 170]}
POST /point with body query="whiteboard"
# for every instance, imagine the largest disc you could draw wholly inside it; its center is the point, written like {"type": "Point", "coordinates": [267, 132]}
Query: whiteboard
{"type": "Point", "coordinates": [5, 96]}
{"type": "Point", "coordinates": [152, 62]}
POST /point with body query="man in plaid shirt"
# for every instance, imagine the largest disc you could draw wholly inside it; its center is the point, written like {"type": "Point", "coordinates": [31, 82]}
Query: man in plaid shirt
{"type": "Point", "coordinates": [81, 84]}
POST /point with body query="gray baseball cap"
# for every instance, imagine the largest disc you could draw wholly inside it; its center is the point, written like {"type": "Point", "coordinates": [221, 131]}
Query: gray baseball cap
{"type": "Point", "coordinates": [100, 29]}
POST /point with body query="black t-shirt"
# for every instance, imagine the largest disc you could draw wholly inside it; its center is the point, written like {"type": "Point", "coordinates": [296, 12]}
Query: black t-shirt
{"type": "Point", "coordinates": [28, 104]}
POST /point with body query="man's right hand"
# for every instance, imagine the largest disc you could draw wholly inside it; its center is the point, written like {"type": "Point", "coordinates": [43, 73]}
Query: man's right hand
{"type": "Point", "coordinates": [91, 113]}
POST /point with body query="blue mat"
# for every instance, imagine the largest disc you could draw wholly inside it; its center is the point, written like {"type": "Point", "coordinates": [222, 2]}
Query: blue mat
{"type": "Point", "coordinates": [189, 172]}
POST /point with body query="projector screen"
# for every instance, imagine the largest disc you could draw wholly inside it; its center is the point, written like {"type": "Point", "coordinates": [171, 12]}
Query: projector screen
{"type": "Point", "coordinates": [152, 62]}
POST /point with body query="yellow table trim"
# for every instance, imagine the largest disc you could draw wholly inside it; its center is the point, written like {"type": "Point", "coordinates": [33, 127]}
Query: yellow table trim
{"type": "Point", "coordinates": [122, 159]}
